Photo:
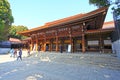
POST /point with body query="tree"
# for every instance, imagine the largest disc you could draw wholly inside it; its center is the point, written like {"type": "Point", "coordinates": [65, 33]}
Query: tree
{"type": "Point", "coordinates": [100, 3]}
{"type": "Point", "coordinates": [115, 8]}
{"type": "Point", "coordinates": [103, 3]}
{"type": "Point", "coordinates": [14, 29]}
{"type": "Point", "coordinates": [6, 19]}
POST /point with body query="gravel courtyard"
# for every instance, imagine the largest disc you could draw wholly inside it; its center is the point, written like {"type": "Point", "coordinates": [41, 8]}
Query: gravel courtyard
{"type": "Point", "coordinates": [65, 66]}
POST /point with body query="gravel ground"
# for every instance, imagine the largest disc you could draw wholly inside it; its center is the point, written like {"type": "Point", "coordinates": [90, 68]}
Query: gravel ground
{"type": "Point", "coordinates": [66, 66]}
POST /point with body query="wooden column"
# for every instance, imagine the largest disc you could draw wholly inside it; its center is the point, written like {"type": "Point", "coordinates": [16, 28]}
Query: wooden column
{"type": "Point", "coordinates": [51, 42]}
{"type": "Point", "coordinates": [57, 43]}
{"type": "Point", "coordinates": [71, 40]}
{"type": "Point", "coordinates": [31, 46]}
{"type": "Point", "coordinates": [83, 43]}
{"type": "Point", "coordinates": [101, 43]}
{"type": "Point", "coordinates": [72, 44]}
{"type": "Point", "coordinates": [83, 39]}
{"type": "Point", "coordinates": [36, 43]}
{"type": "Point", "coordinates": [28, 44]}
{"type": "Point", "coordinates": [62, 45]}
{"type": "Point", "coordinates": [44, 47]}
{"type": "Point", "coordinates": [44, 42]}
{"type": "Point", "coordinates": [86, 44]}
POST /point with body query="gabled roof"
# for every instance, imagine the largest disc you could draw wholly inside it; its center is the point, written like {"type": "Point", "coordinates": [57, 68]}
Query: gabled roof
{"type": "Point", "coordinates": [67, 20]}
{"type": "Point", "coordinates": [64, 20]}
{"type": "Point", "coordinates": [76, 17]}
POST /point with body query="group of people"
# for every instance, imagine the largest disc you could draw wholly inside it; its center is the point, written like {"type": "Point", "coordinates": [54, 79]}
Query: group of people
{"type": "Point", "coordinates": [16, 53]}
{"type": "Point", "coordinates": [13, 52]}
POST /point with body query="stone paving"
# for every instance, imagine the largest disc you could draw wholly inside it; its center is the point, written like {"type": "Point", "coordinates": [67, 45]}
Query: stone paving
{"type": "Point", "coordinates": [65, 66]}
{"type": "Point", "coordinates": [6, 57]}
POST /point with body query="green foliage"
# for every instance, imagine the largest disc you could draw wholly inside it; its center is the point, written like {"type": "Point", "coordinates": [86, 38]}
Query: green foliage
{"type": "Point", "coordinates": [117, 11]}
{"type": "Point", "coordinates": [100, 3]}
{"type": "Point", "coordinates": [14, 29]}
{"type": "Point", "coordinates": [6, 19]}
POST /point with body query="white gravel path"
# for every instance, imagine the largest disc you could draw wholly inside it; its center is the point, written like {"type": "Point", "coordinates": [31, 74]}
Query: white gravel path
{"type": "Point", "coordinates": [51, 66]}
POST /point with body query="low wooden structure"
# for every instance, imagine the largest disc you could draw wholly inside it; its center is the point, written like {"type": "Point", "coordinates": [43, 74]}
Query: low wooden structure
{"type": "Point", "coordinates": [15, 43]}
{"type": "Point", "coordinates": [79, 33]}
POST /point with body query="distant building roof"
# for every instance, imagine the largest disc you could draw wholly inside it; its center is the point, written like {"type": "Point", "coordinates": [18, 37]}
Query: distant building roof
{"type": "Point", "coordinates": [14, 40]}
{"type": "Point", "coordinates": [108, 25]}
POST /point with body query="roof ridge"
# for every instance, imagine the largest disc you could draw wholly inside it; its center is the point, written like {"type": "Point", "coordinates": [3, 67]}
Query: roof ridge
{"type": "Point", "coordinates": [66, 18]}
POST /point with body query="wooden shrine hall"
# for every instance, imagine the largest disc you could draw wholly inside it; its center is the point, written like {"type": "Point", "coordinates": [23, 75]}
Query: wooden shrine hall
{"type": "Point", "coordinates": [78, 33]}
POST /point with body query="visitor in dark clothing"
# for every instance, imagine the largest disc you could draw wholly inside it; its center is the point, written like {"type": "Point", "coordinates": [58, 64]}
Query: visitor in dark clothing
{"type": "Point", "coordinates": [61, 49]}
{"type": "Point", "coordinates": [20, 54]}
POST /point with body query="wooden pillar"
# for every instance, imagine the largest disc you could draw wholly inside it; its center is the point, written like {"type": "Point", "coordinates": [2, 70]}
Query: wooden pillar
{"type": "Point", "coordinates": [57, 43]}
{"type": "Point", "coordinates": [101, 43]}
{"type": "Point", "coordinates": [51, 42]}
{"type": "Point", "coordinates": [83, 43]}
{"type": "Point", "coordinates": [71, 40]}
{"type": "Point", "coordinates": [28, 44]}
{"type": "Point", "coordinates": [36, 44]}
{"type": "Point", "coordinates": [83, 39]}
{"type": "Point", "coordinates": [61, 45]}
{"type": "Point", "coordinates": [72, 44]}
{"type": "Point", "coordinates": [31, 46]}
{"type": "Point", "coordinates": [86, 44]}
{"type": "Point", "coordinates": [44, 45]}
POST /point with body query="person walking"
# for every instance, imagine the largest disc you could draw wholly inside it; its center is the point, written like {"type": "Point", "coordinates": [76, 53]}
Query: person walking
{"type": "Point", "coordinates": [39, 47]}
{"type": "Point", "coordinates": [12, 52]}
{"type": "Point", "coordinates": [61, 49]}
{"type": "Point", "coordinates": [20, 54]}
{"type": "Point", "coordinates": [28, 52]}
{"type": "Point", "coordinates": [15, 53]}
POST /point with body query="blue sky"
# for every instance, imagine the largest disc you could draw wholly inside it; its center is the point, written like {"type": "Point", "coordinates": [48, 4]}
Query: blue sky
{"type": "Point", "coordinates": [35, 13]}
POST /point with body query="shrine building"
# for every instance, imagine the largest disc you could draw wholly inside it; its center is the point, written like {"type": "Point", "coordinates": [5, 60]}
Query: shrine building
{"type": "Point", "coordinates": [78, 33]}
